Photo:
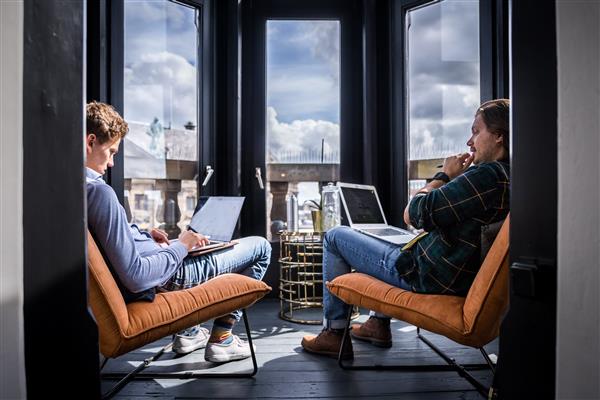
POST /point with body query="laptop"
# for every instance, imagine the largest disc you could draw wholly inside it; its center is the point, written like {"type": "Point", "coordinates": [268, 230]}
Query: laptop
{"type": "Point", "coordinates": [365, 214]}
{"type": "Point", "coordinates": [217, 216]}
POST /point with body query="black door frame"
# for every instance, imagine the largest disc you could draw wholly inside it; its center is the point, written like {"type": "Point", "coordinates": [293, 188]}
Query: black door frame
{"type": "Point", "coordinates": [54, 240]}
{"type": "Point", "coordinates": [254, 16]}
{"type": "Point", "coordinates": [527, 354]}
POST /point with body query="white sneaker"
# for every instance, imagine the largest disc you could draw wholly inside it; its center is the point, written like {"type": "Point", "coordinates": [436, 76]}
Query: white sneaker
{"type": "Point", "coordinates": [186, 344]}
{"type": "Point", "coordinates": [237, 349]}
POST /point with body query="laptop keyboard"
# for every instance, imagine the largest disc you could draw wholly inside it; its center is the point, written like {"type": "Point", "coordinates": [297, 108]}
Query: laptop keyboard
{"type": "Point", "coordinates": [384, 232]}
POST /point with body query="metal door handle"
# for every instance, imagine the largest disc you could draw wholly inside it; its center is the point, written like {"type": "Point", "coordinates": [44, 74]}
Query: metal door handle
{"type": "Point", "coordinates": [209, 174]}
{"type": "Point", "coordinates": [259, 178]}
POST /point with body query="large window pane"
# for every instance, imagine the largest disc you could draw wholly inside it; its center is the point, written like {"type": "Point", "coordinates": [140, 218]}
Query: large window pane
{"type": "Point", "coordinates": [302, 113]}
{"type": "Point", "coordinates": [160, 92]}
{"type": "Point", "coordinates": [443, 81]}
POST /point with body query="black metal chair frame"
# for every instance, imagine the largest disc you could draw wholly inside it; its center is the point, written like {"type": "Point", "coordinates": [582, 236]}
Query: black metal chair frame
{"type": "Point", "coordinates": [125, 378]}
{"type": "Point", "coordinates": [462, 370]}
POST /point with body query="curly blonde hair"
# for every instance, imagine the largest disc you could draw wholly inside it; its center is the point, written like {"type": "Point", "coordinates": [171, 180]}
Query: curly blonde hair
{"type": "Point", "coordinates": [105, 122]}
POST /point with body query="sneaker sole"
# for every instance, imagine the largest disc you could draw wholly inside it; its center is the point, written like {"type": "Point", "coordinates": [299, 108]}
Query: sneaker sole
{"type": "Point", "coordinates": [223, 358]}
{"type": "Point", "coordinates": [375, 342]}
{"type": "Point", "coordinates": [188, 349]}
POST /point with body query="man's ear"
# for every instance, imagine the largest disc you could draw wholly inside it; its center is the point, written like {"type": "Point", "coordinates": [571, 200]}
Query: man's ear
{"type": "Point", "coordinates": [90, 139]}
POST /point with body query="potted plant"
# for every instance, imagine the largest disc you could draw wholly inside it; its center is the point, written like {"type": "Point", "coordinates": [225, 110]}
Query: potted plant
{"type": "Point", "coordinates": [315, 212]}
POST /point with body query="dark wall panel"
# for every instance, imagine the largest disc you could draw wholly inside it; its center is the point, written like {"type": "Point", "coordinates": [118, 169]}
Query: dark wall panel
{"type": "Point", "coordinates": [527, 356]}
{"type": "Point", "coordinates": [61, 341]}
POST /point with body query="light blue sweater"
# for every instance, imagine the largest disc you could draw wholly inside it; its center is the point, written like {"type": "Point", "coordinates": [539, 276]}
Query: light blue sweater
{"type": "Point", "coordinates": [136, 258]}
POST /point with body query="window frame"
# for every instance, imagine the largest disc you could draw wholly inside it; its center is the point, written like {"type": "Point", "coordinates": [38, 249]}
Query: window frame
{"type": "Point", "coordinates": [105, 75]}
{"type": "Point", "coordinates": [253, 132]}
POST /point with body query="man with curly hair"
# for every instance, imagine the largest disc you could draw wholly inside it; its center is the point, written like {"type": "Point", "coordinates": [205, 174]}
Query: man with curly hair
{"type": "Point", "coordinates": [143, 262]}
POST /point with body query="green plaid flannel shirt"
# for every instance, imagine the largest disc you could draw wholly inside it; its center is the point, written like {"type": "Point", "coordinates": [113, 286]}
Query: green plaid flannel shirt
{"type": "Point", "coordinates": [447, 259]}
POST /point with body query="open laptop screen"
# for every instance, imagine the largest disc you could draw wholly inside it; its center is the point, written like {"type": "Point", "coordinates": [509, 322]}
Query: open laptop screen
{"type": "Point", "coordinates": [217, 217]}
{"type": "Point", "coordinates": [363, 207]}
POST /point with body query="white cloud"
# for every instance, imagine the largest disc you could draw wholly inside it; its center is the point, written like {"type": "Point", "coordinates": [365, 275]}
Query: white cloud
{"type": "Point", "coordinates": [152, 27]}
{"type": "Point", "coordinates": [161, 85]}
{"type": "Point", "coordinates": [301, 136]}
{"type": "Point", "coordinates": [303, 69]}
{"type": "Point", "coordinates": [323, 39]}
{"type": "Point", "coordinates": [298, 93]}
{"type": "Point", "coordinates": [444, 77]}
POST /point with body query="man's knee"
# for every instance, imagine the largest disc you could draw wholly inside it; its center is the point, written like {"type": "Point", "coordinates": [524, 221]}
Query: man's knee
{"type": "Point", "coordinates": [266, 248]}
{"type": "Point", "coordinates": [333, 235]}
{"type": "Point", "coordinates": [262, 248]}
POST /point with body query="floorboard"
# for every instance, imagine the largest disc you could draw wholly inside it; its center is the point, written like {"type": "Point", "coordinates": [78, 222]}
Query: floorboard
{"type": "Point", "coordinates": [286, 372]}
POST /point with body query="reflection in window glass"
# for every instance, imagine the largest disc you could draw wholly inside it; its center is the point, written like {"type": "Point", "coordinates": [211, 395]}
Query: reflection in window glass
{"type": "Point", "coordinates": [160, 93]}
{"type": "Point", "coordinates": [443, 78]}
{"type": "Point", "coordinates": [302, 111]}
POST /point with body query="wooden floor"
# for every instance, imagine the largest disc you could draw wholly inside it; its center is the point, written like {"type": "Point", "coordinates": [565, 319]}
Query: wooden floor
{"type": "Point", "coordinates": [286, 372]}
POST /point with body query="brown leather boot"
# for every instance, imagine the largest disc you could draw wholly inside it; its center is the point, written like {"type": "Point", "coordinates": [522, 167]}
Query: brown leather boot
{"type": "Point", "coordinates": [375, 331]}
{"type": "Point", "coordinates": [328, 343]}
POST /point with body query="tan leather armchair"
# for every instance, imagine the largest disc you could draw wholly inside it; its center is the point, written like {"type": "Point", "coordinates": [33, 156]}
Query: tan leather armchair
{"type": "Point", "coordinates": [473, 320]}
{"type": "Point", "coordinates": [125, 327]}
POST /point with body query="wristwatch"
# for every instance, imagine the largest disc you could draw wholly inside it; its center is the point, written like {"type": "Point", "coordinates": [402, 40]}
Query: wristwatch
{"type": "Point", "coordinates": [441, 176]}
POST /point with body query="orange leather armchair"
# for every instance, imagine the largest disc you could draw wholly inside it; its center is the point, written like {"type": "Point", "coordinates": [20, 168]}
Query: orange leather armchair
{"type": "Point", "coordinates": [473, 320]}
{"type": "Point", "coordinates": [125, 327]}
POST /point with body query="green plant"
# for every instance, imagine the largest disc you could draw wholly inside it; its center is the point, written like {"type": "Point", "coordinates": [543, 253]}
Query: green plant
{"type": "Point", "coordinates": [313, 204]}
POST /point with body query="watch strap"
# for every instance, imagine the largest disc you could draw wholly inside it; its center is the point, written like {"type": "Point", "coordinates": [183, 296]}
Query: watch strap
{"type": "Point", "coordinates": [441, 176]}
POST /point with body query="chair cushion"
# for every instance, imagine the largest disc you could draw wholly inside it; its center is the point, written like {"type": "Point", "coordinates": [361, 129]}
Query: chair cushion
{"type": "Point", "coordinates": [434, 312]}
{"type": "Point", "coordinates": [173, 311]}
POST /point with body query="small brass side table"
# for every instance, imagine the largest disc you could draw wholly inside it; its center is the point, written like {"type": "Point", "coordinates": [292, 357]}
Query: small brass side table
{"type": "Point", "coordinates": [301, 279]}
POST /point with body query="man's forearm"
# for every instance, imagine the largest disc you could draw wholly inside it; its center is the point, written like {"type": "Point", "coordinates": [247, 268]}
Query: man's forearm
{"type": "Point", "coordinates": [432, 185]}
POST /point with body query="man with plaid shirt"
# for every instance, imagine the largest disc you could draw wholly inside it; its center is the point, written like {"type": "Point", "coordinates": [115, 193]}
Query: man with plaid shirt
{"type": "Point", "coordinates": [451, 210]}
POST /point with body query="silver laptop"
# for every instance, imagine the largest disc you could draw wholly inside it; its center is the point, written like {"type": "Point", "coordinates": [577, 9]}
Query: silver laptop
{"type": "Point", "coordinates": [365, 214]}
{"type": "Point", "coordinates": [216, 216]}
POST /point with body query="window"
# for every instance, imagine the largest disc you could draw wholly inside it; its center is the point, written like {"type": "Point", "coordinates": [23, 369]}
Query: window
{"type": "Point", "coordinates": [161, 106]}
{"type": "Point", "coordinates": [302, 113]}
{"type": "Point", "coordinates": [443, 82]}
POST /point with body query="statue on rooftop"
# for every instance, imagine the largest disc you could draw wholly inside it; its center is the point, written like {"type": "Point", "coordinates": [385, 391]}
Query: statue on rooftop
{"type": "Point", "coordinates": [157, 144]}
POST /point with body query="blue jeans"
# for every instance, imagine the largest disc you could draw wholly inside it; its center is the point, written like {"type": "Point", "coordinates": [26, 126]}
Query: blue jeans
{"type": "Point", "coordinates": [345, 248]}
{"type": "Point", "coordinates": [250, 257]}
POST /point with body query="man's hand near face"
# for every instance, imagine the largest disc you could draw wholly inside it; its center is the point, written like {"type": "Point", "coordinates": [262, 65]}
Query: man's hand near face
{"type": "Point", "coordinates": [453, 166]}
{"type": "Point", "coordinates": [456, 165]}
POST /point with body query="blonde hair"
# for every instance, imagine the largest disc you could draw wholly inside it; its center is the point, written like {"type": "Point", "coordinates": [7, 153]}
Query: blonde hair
{"type": "Point", "coordinates": [105, 122]}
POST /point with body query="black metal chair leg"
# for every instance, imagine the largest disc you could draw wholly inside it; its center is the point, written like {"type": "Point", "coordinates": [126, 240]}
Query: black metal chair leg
{"type": "Point", "coordinates": [487, 359]}
{"type": "Point", "coordinates": [345, 337]}
{"type": "Point", "coordinates": [132, 375]}
{"type": "Point", "coordinates": [135, 374]}
{"type": "Point", "coordinates": [249, 337]}
{"type": "Point", "coordinates": [460, 369]}
{"type": "Point", "coordinates": [452, 365]}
